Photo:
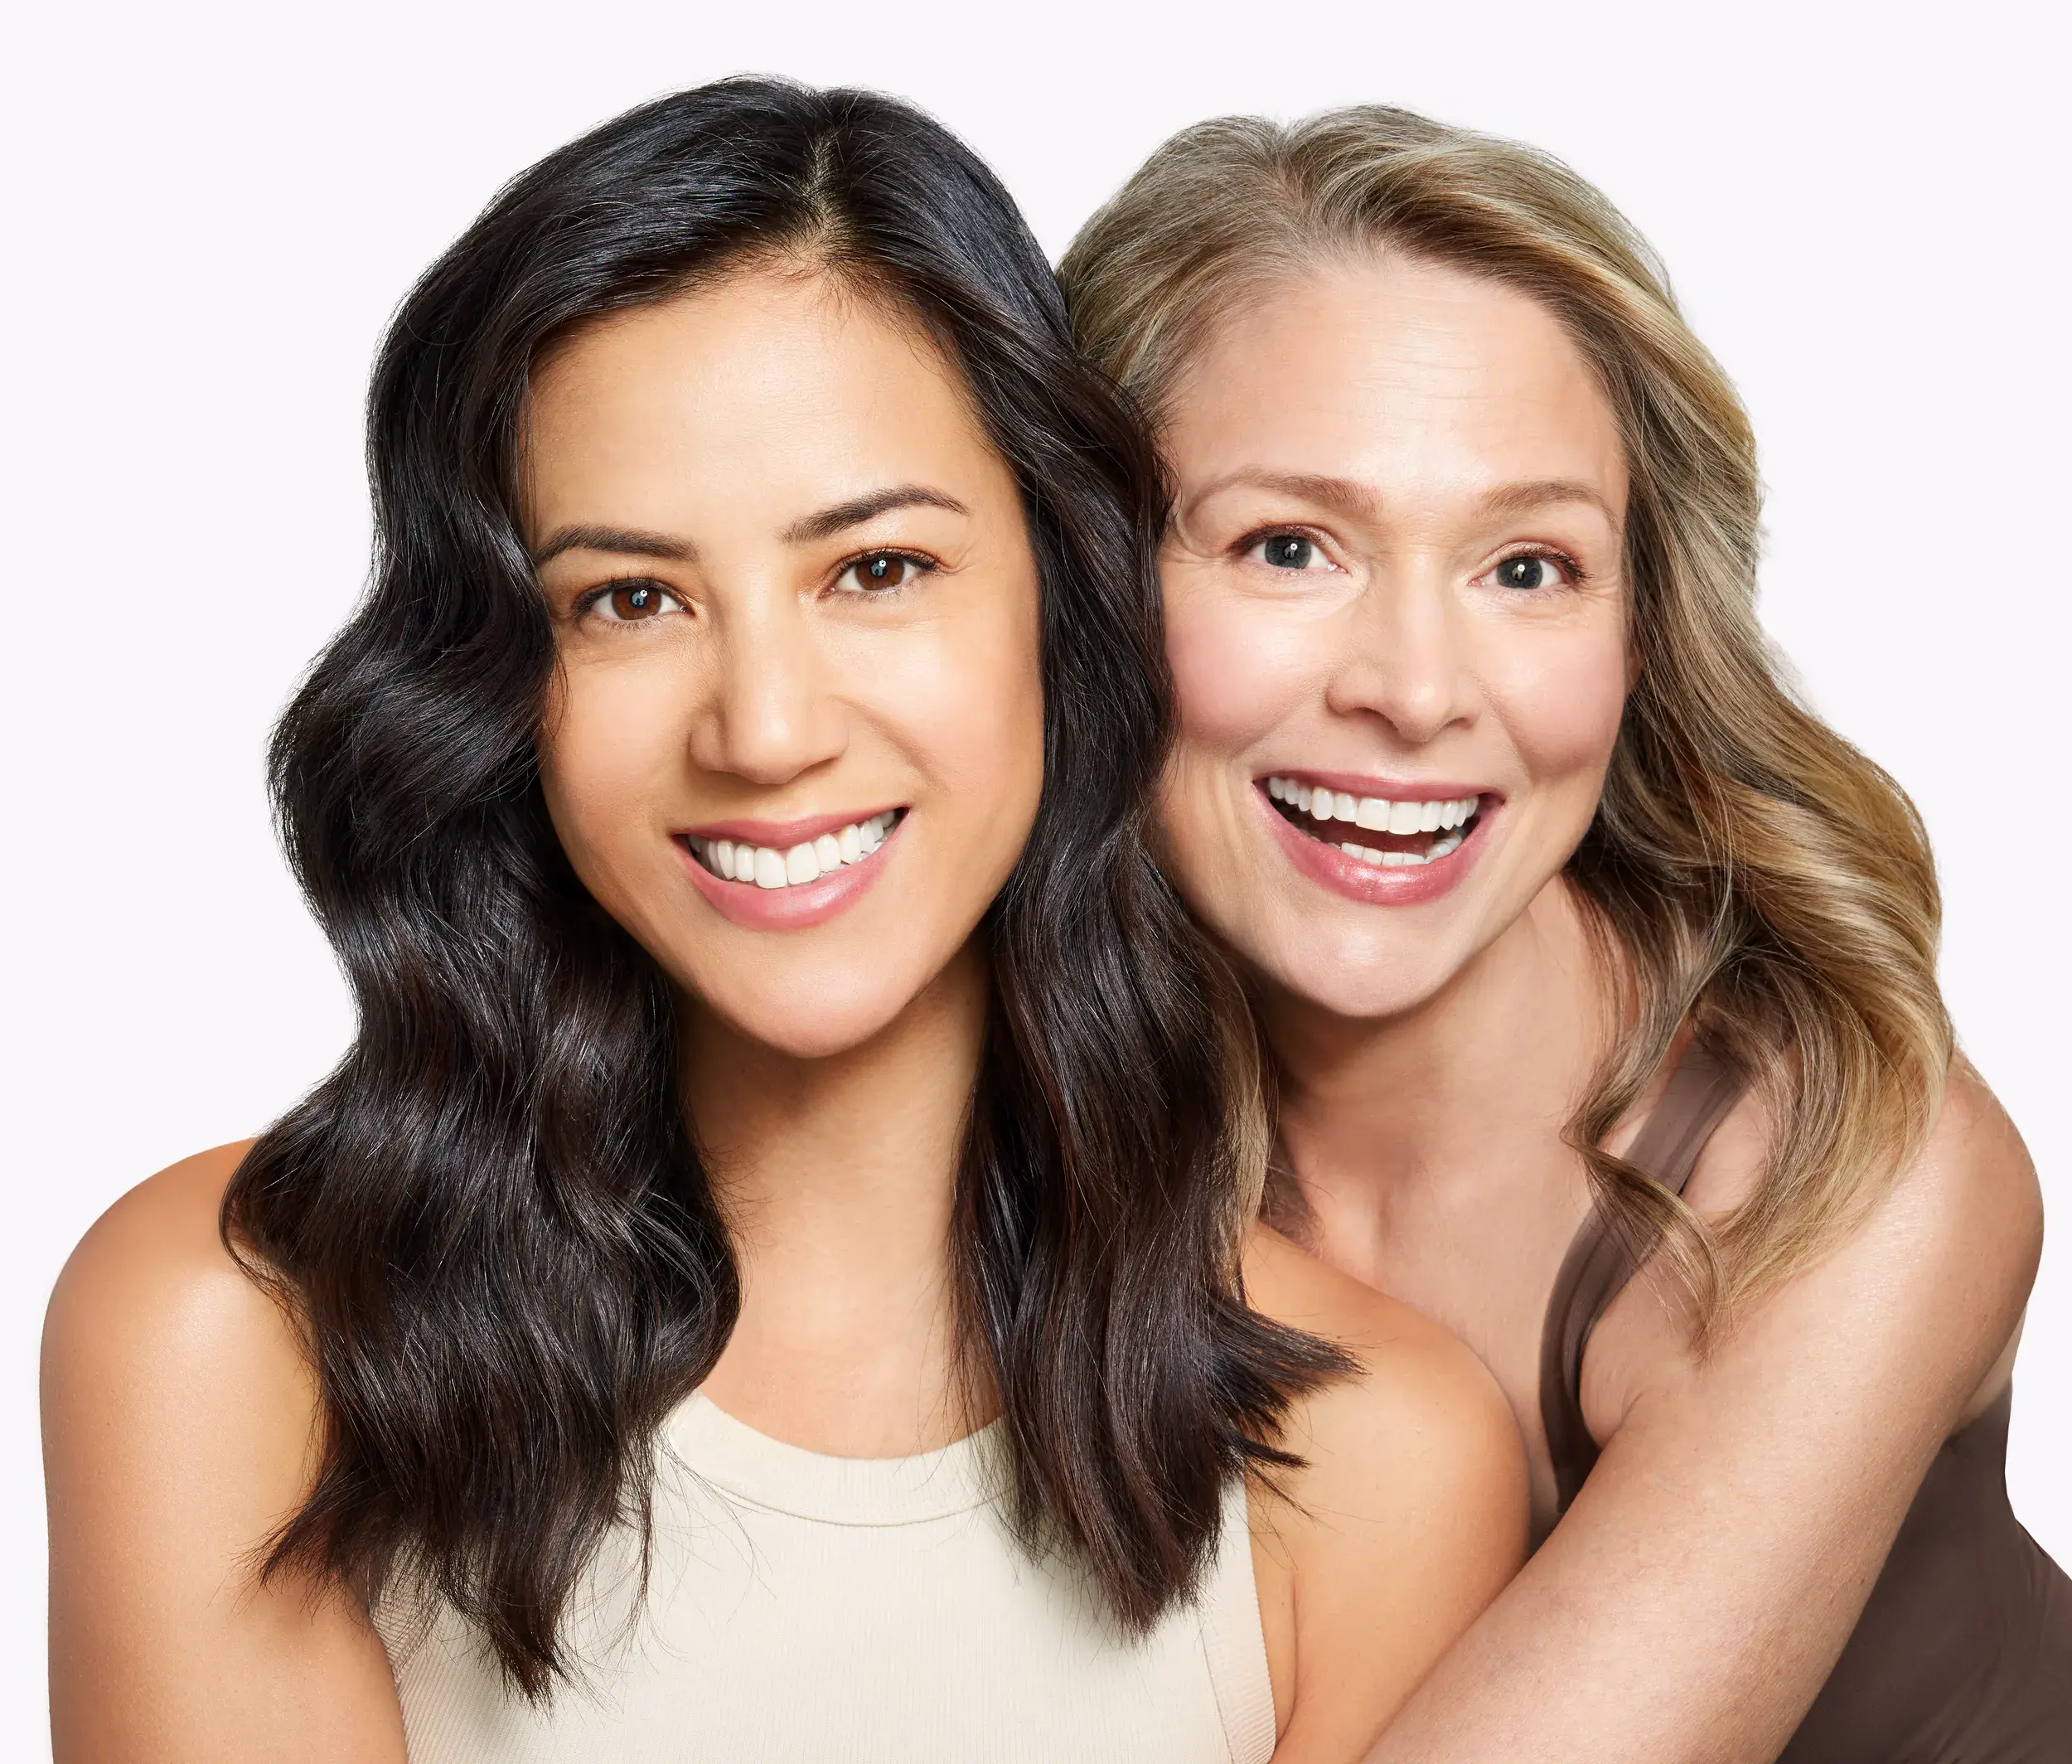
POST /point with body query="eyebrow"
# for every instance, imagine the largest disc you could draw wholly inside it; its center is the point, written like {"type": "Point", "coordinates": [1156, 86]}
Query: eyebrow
{"type": "Point", "coordinates": [842, 515]}
{"type": "Point", "coordinates": [825, 524]}
{"type": "Point", "coordinates": [1518, 499]}
{"type": "Point", "coordinates": [625, 541]}
{"type": "Point", "coordinates": [1340, 493]}
{"type": "Point", "coordinates": [1356, 500]}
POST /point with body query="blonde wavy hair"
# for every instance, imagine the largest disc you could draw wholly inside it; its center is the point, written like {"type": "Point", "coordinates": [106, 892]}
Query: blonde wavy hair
{"type": "Point", "coordinates": [1750, 872]}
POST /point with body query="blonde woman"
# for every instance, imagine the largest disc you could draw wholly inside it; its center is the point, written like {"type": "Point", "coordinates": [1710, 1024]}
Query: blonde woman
{"type": "Point", "coordinates": [1584, 950]}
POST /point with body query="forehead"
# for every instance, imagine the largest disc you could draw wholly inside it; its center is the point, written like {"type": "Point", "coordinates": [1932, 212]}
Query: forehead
{"type": "Point", "coordinates": [762, 391]}
{"type": "Point", "coordinates": [1395, 373]}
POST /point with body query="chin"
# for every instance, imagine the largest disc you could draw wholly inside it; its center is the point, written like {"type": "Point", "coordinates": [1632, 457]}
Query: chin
{"type": "Point", "coordinates": [802, 1019]}
{"type": "Point", "coordinates": [1380, 979]}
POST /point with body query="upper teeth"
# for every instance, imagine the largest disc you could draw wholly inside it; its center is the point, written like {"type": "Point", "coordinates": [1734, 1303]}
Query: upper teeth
{"type": "Point", "coordinates": [767, 867]}
{"type": "Point", "coordinates": [1377, 814]}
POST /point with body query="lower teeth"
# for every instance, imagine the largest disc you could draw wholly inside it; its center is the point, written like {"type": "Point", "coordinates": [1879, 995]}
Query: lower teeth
{"type": "Point", "coordinates": [1441, 847]}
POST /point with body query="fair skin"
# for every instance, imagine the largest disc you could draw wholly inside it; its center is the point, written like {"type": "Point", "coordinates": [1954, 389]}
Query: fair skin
{"type": "Point", "coordinates": [790, 580]}
{"type": "Point", "coordinates": [1395, 570]}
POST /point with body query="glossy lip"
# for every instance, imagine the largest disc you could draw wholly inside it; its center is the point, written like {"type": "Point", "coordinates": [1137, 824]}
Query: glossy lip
{"type": "Point", "coordinates": [796, 909]}
{"type": "Point", "coordinates": [1407, 885]}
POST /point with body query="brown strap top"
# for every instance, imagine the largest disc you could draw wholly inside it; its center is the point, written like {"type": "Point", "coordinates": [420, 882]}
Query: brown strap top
{"type": "Point", "coordinates": [1600, 1262]}
{"type": "Point", "coordinates": [1963, 1651]}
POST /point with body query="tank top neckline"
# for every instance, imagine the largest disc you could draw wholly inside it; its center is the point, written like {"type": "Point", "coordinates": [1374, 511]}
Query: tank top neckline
{"type": "Point", "coordinates": [782, 1478]}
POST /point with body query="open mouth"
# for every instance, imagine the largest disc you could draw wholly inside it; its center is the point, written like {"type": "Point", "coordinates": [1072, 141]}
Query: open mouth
{"type": "Point", "coordinates": [1387, 835]}
{"type": "Point", "coordinates": [766, 866]}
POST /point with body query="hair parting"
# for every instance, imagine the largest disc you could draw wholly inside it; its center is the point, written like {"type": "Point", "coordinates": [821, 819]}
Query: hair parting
{"type": "Point", "coordinates": [1752, 874]}
{"type": "Point", "coordinates": [491, 1221]}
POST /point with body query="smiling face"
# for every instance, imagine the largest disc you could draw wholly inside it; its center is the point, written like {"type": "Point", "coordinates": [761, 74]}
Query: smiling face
{"type": "Point", "coordinates": [1396, 613]}
{"type": "Point", "coordinates": [796, 744]}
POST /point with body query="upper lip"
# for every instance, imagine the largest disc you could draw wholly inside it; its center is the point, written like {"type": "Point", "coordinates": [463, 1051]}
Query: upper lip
{"type": "Point", "coordinates": [1390, 789]}
{"type": "Point", "coordinates": [782, 835]}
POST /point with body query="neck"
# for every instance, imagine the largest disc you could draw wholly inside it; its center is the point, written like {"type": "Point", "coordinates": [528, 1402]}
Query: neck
{"type": "Point", "coordinates": [1493, 1060]}
{"type": "Point", "coordinates": [838, 1176]}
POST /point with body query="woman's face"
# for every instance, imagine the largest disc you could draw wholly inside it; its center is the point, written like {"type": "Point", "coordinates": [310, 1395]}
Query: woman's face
{"type": "Point", "coordinates": [1397, 619]}
{"type": "Point", "coordinates": [796, 744]}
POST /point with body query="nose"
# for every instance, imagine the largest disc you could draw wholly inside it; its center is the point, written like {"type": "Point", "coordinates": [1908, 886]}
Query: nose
{"type": "Point", "coordinates": [772, 714]}
{"type": "Point", "coordinates": [1404, 656]}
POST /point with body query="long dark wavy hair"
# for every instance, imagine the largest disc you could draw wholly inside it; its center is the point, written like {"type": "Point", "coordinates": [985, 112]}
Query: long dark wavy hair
{"type": "Point", "coordinates": [491, 1222]}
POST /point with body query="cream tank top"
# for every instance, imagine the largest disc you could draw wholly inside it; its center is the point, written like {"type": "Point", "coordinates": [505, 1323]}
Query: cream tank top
{"type": "Point", "coordinates": [801, 1606]}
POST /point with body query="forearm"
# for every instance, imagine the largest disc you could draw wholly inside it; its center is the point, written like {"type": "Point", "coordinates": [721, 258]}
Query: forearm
{"type": "Point", "coordinates": [1687, 1610]}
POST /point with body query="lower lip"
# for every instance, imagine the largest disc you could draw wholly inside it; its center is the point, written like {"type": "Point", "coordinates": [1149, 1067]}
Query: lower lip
{"type": "Point", "coordinates": [1404, 886]}
{"type": "Point", "coordinates": [798, 906]}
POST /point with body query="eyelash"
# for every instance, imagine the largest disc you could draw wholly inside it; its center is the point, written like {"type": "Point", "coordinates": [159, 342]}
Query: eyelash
{"type": "Point", "coordinates": [590, 597]}
{"type": "Point", "coordinates": [1578, 576]}
{"type": "Point", "coordinates": [1252, 540]}
{"type": "Point", "coordinates": [923, 564]}
{"type": "Point", "coordinates": [920, 561]}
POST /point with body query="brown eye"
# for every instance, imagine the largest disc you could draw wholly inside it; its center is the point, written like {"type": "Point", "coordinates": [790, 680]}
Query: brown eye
{"type": "Point", "coordinates": [634, 603]}
{"type": "Point", "coordinates": [882, 570]}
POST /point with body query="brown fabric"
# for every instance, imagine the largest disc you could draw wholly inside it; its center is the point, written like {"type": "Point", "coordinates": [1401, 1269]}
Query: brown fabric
{"type": "Point", "coordinates": [1600, 1263]}
{"type": "Point", "coordinates": [1963, 1653]}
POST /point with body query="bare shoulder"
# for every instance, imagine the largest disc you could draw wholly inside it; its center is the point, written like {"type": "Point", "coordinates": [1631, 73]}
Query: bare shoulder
{"type": "Point", "coordinates": [1418, 1390]}
{"type": "Point", "coordinates": [151, 1296]}
{"type": "Point", "coordinates": [1974, 1160]}
{"type": "Point", "coordinates": [180, 1430]}
{"type": "Point", "coordinates": [1406, 1517]}
{"type": "Point", "coordinates": [1967, 1202]}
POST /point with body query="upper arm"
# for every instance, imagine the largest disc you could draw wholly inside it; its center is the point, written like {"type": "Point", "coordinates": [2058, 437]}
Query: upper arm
{"type": "Point", "coordinates": [1695, 1597]}
{"type": "Point", "coordinates": [179, 1430]}
{"type": "Point", "coordinates": [1408, 1515]}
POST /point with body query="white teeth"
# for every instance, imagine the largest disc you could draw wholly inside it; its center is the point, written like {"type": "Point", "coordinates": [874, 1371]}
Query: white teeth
{"type": "Point", "coordinates": [1377, 814]}
{"type": "Point", "coordinates": [1447, 816]}
{"type": "Point", "coordinates": [768, 867]}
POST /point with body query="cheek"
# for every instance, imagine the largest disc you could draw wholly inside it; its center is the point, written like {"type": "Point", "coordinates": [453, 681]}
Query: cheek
{"type": "Point", "coordinates": [966, 705]}
{"type": "Point", "coordinates": [606, 746]}
{"type": "Point", "coordinates": [1561, 704]}
{"type": "Point", "coordinates": [1238, 671]}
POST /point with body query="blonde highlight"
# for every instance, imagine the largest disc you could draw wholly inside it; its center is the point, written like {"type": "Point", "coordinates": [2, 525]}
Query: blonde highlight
{"type": "Point", "coordinates": [1752, 874]}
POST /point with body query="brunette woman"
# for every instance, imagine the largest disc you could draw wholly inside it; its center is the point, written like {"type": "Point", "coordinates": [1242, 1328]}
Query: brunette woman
{"type": "Point", "coordinates": [1584, 950]}
{"type": "Point", "coordinates": [770, 1278]}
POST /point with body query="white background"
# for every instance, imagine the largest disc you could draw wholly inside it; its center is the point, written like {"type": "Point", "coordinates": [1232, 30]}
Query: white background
{"type": "Point", "coordinates": [209, 212]}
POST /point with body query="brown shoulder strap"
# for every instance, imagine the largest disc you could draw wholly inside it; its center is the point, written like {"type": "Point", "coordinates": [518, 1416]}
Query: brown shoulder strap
{"type": "Point", "coordinates": [1599, 1263]}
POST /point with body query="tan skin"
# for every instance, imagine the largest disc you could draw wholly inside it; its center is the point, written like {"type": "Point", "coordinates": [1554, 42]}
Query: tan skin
{"type": "Point", "coordinates": [1358, 458]}
{"type": "Point", "coordinates": [740, 660]}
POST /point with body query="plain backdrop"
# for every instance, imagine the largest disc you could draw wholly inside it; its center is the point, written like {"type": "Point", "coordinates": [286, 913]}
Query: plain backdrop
{"type": "Point", "coordinates": [209, 212]}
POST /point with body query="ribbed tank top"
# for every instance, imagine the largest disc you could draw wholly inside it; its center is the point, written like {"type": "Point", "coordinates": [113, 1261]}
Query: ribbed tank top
{"type": "Point", "coordinates": [801, 1606]}
{"type": "Point", "coordinates": [1963, 1653]}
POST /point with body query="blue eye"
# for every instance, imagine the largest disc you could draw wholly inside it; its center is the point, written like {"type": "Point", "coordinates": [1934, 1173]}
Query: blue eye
{"type": "Point", "coordinates": [1532, 570]}
{"type": "Point", "coordinates": [1288, 551]}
